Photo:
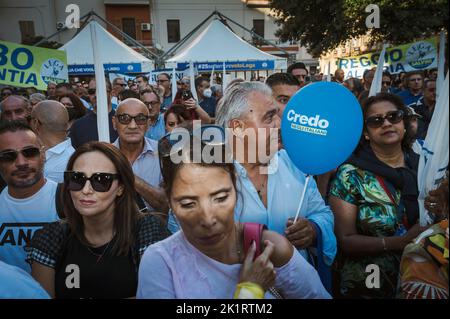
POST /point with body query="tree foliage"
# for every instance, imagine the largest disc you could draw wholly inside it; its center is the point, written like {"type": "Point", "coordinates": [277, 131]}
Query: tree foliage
{"type": "Point", "coordinates": [322, 25]}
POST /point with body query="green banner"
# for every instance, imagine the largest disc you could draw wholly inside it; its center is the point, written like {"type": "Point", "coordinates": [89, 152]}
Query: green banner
{"type": "Point", "coordinates": [27, 66]}
{"type": "Point", "coordinates": [420, 55]}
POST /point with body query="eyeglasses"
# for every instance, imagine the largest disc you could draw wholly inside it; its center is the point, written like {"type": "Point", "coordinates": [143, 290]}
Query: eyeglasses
{"type": "Point", "coordinates": [10, 156]}
{"type": "Point", "coordinates": [152, 103]}
{"type": "Point", "coordinates": [140, 119]}
{"type": "Point", "coordinates": [6, 94]}
{"type": "Point", "coordinates": [121, 84]}
{"type": "Point", "coordinates": [93, 91]}
{"type": "Point", "coordinates": [393, 117]}
{"type": "Point", "coordinates": [386, 83]}
{"type": "Point", "coordinates": [100, 182]}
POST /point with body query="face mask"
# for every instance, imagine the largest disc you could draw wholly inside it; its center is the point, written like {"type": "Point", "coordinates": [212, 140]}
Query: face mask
{"type": "Point", "coordinates": [207, 93]}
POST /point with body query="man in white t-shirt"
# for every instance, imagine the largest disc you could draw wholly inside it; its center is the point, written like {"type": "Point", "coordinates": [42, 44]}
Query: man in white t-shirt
{"type": "Point", "coordinates": [50, 121]}
{"type": "Point", "coordinates": [28, 201]}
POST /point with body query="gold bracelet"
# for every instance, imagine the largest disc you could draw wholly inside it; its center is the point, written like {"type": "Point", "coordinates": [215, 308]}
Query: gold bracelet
{"type": "Point", "coordinates": [383, 241]}
{"type": "Point", "coordinates": [248, 290]}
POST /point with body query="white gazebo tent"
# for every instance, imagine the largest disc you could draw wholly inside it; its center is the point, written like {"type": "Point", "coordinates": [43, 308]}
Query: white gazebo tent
{"type": "Point", "coordinates": [218, 44]}
{"type": "Point", "coordinates": [115, 55]}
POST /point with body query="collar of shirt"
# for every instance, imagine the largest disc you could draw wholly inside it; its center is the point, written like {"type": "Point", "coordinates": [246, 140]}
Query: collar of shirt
{"type": "Point", "coordinates": [148, 147]}
{"type": "Point", "coordinates": [158, 121]}
{"type": "Point", "coordinates": [59, 148]}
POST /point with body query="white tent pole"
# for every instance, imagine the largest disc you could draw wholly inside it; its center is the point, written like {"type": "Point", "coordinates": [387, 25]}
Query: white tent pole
{"type": "Point", "coordinates": [192, 80]}
{"type": "Point", "coordinates": [441, 64]}
{"type": "Point", "coordinates": [224, 78]}
{"type": "Point", "coordinates": [102, 101]}
{"type": "Point", "coordinates": [329, 72]}
{"type": "Point", "coordinates": [174, 84]}
{"type": "Point", "coordinates": [211, 79]}
{"type": "Point", "coordinates": [375, 88]}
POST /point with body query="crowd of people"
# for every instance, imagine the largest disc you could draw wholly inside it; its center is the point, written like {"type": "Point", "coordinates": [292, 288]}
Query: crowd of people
{"type": "Point", "coordinates": [81, 218]}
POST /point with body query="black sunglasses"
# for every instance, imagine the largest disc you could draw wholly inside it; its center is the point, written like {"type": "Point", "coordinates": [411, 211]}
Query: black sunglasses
{"type": "Point", "coordinates": [100, 182]}
{"type": "Point", "coordinates": [393, 117]}
{"type": "Point", "coordinates": [11, 155]}
{"type": "Point", "coordinates": [124, 118]}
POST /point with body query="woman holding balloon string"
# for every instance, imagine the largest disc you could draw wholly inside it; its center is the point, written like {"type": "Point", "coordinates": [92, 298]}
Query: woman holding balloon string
{"type": "Point", "coordinates": [374, 200]}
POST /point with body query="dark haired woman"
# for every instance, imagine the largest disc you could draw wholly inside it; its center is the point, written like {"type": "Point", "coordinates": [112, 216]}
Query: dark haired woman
{"type": "Point", "coordinates": [374, 200]}
{"type": "Point", "coordinates": [95, 253]}
{"type": "Point", "coordinates": [207, 258]}
{"type": "Point", "coordinates": [74, 107]}
{"type": "Point", "coordinates": [175, 115]}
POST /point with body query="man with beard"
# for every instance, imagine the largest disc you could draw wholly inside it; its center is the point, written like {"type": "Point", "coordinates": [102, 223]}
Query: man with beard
{"type": "Point", "coordinates": [131, 122]}
{"type": "Point", "coordinates": [49, 120]}
{"type": "Point", "coordinates": [28, 201]}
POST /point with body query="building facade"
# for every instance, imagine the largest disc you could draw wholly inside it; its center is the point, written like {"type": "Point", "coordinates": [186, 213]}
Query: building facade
{"type": "Point", "coordinates": [156, 24]}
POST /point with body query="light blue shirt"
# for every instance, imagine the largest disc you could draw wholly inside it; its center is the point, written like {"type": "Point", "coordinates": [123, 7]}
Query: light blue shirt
{"type": "Point", "coordinates": [146, 165]}
{"type": "Point", "coordinates": [20, 218]}
{"type": "Point", "coordinates": [56, 159]}
{"type": "Point", "coordinates": [18, 284]}
{"type": "Point", "coordinates": [158, 130]}
{"type": "Point", "coordinates": [284, 189]}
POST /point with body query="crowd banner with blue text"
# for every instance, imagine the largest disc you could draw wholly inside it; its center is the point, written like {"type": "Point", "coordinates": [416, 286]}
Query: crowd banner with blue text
{"type": "Point", "coordinates": [27, 66]}
{"type": "Point", "coordinates": [417, 56]}
{"type": "Point", "coordinates": [179, 73]}
{"type": "Point", "coordinates": [126, 77]}
{"type": "Point", "coordinates": [232, 66]}
{"type": "Point", "coordinates": [85, 69]}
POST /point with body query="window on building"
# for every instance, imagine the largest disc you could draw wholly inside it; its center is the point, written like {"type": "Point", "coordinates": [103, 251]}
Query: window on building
{"type": "Point", "coordinates": [129, 27]}
{"type": "Point", "coordinates": [173, 31]}
{"type": "Point", "coordinates": [258, 27]}
{"type": "Point", "coordinates": [27, 30]}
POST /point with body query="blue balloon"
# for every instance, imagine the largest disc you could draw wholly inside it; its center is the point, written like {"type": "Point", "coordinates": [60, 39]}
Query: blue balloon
{"type": "Point", "coordinates": [321, 127]}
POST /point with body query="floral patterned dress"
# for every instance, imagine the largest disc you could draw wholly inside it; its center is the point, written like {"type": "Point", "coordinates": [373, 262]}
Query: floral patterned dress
{"type": "Point", "coordinates": [377, 216]}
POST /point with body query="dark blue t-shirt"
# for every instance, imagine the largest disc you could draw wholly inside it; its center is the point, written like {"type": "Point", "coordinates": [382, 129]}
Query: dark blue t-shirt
{"type": "Point", "coordinates": [85, 129]}
{"type": "Point", "coordinates": [408, 98]}
{"type": "Point", "coordinates": [209, 105]}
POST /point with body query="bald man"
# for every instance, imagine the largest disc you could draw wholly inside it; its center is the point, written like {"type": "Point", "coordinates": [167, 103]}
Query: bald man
{"type": "Point", "coordinates": [15, 108]}
{"type": "Point", "coordinates": [131, 121]}
{"type": "Point", "coordinates": [49, 120]}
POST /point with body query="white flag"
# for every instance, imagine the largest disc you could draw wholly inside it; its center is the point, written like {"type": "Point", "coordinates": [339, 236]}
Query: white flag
{"type": "Point", "coordinates": [441, 64]}
{"type": "Point", "coordinates": [376, 86]}
{"type": "Point", "coordinates": [434, 158]}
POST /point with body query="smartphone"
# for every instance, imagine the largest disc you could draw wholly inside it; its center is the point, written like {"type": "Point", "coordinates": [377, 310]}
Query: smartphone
{"type": "Point", "coordinates": [186, 95]}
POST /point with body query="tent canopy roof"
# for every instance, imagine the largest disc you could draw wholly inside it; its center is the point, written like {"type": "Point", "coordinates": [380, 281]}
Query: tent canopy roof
{"type": "Point", "coordinates": [218, 43]}
{"type": "Point", "coordinates": [112, 50]}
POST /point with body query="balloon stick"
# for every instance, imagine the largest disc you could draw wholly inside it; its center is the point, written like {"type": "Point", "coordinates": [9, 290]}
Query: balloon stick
{"type": "Point", "coordinates": [302, 197]}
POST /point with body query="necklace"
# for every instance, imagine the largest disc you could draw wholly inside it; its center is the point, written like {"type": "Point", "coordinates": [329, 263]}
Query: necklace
{"type": "Point", "coordinates": [99, 256]}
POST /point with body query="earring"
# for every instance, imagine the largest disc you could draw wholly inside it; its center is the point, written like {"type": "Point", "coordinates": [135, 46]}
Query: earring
{"type": "Point", "coordinates": [366, 137]}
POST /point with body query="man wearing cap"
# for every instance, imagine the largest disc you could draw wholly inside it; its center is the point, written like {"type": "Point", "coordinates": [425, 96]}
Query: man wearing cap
{"type": "Point", "coordinates": [414, 125]}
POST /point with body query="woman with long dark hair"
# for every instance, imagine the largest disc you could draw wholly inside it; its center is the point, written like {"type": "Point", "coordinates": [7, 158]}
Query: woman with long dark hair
{"type": "Point", "coordinates": [74, 107]}
{"type": "Point", "coordinates": [97, 249]}
{"type": "Point", "coordinates": [374, 200]}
